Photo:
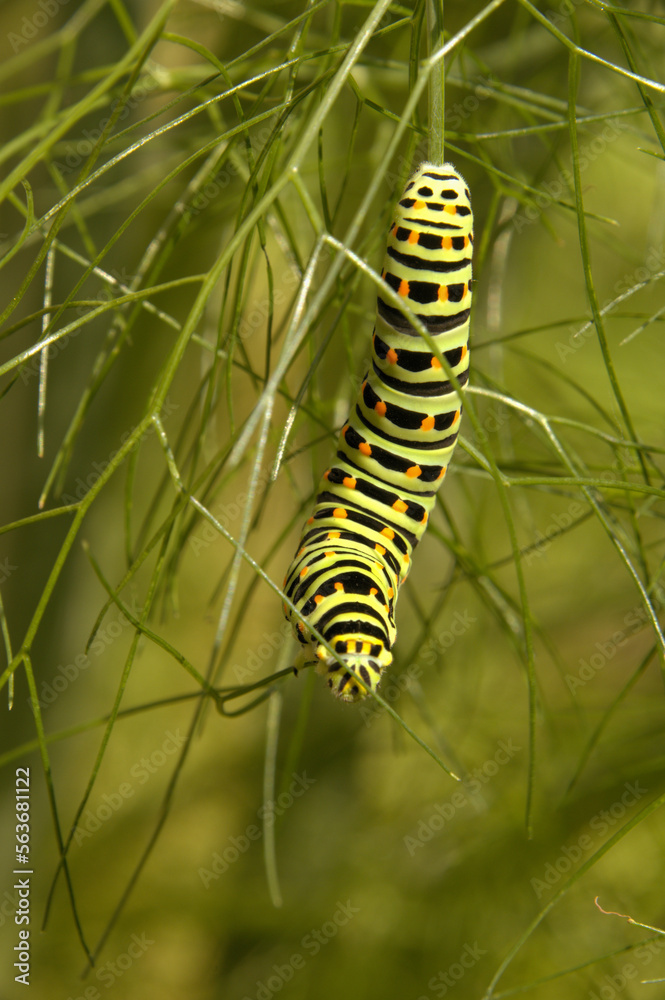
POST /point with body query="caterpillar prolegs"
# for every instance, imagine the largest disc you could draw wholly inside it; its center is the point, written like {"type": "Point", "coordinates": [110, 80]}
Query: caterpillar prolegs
{"type": "Point", "coordinates": [373, 504]}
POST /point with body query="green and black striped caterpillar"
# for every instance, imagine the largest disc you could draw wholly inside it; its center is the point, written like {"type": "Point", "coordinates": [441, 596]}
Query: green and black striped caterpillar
{"type": "Point", "coordinates": [372, 506]}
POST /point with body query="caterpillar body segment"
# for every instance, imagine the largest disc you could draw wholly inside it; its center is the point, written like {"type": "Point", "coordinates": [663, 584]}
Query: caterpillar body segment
{"type": "Point", "coordinates": [374, 502]}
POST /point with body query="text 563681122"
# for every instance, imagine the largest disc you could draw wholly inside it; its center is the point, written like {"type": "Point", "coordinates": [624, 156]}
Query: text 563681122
{"type": "Point", "coordinates": [22, 884]}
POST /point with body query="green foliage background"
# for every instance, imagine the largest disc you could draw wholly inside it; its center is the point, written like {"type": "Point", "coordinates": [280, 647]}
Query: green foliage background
{"type": "Point", "coordinates": [194, 204]}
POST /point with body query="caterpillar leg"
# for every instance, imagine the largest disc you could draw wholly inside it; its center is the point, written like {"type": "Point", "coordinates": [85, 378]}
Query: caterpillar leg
{"type": "Point", "coordinates": [366, 667]}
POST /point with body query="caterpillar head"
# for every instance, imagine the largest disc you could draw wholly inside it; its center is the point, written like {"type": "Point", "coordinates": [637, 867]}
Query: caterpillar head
{"type": "Point", "coordinates": [368, 669]}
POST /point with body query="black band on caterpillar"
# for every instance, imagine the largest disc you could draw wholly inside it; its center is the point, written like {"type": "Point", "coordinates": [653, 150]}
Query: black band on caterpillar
{"type": "Point", "coordinates": [372, 507]}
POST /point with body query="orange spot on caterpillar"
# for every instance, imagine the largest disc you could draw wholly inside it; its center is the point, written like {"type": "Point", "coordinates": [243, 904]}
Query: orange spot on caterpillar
{"type": "Point", "coordinates": [442, 473]}
{"type": "Point", "coordinates": [339, 512]}
{"type": "Point", "coordinates": [419, 204]}
{"type": "Point", "coordinates": [364, 448]}
{"type": "Point", "coordinates": [332, 535]}
{"type": "Point", "coordinates": [399, 506]}
{"type": "Point", "coordinates": [443, 293]}
{"type": "Point", "coordinates": [391, 357]}
{"type": "Point", "coordinates": [317, 599]}
{"type": "Point", "coordinates": [380, 549]}
{"type": "Point", "coordinates": [423, 519]}
{"type": "Point", "coordinates": [310, 520]}
{"type": "Point", "coordinates": [330, 554]}
{"type": "Point", "coordinates": [301, 627]}
{"type": "Point", "coordinates": [326, 473]}
{"type": "Point", "coordinates": [403, 289]}
{"type": "Point", "coordinates": [388, 532]}
{"type": "Point", "coordinates": [321, 652]}
{"type": "Point", "coordinates": [450, 209]}
{"type": "Point", "coordinates": [373, 592]}
{"type": "Point", "coordinates": [390, 592]}
{"type": "Point", "coordinates": [380, 408]}
{"type": "Point", "coordinates": [427, 424]}
{"type": "Point", "coordinates": [435, 362]}
{"type": "Point", "coordinates": [349, 483]}
{"type": "Point", "coordinates": [446, 242]}
{"type": "Point", "coordinates": [414, 472]}
{"type": "Point", "coordinates": [413, 236]}
{"type": "Point", "coordinates": [340, 587]}
{"type": "Point", "coordinates": [464, 352]}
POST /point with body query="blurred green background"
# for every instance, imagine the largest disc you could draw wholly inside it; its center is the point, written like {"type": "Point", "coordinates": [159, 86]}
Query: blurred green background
{"type": "Point", "coordinates": [173, 174]}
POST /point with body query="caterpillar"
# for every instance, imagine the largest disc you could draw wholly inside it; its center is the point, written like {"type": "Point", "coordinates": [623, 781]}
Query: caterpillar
{"type": "Point", "coordinates": [373, 504]}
